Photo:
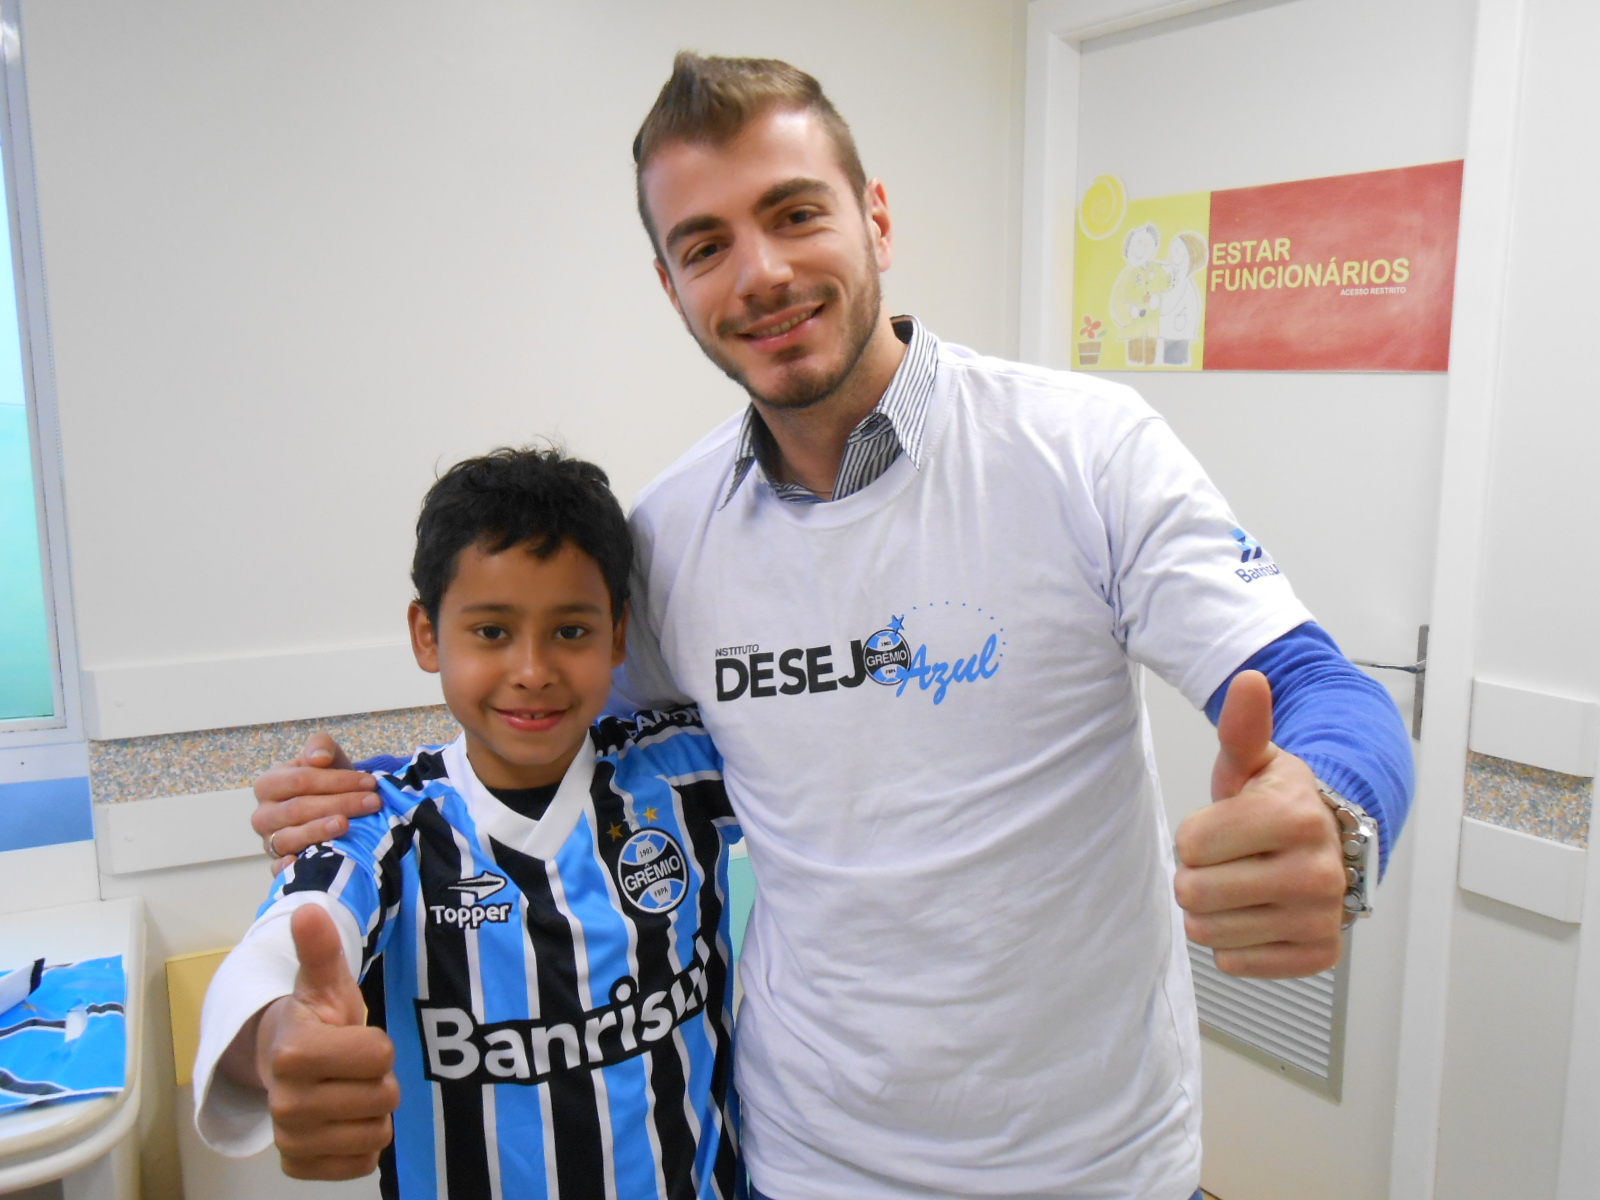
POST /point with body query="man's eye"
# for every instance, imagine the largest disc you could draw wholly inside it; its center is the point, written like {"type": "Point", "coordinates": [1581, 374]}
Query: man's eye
{"type": "Point", "coordinates": [700, 253]}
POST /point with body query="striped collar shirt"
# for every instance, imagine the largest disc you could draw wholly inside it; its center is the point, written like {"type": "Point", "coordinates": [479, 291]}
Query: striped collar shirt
{"type": "Point", "coordinates": [893, 427]}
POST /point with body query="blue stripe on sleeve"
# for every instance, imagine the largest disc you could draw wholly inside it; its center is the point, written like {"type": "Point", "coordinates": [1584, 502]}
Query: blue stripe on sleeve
{"type": "Point", "coordinates": [1341, 721]}
{"type": "Point", "coordinates": [392, 764]}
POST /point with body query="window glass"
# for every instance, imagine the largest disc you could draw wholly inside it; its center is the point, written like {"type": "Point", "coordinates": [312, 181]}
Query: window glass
{"type": "Point", "coordinates": [26, 659]}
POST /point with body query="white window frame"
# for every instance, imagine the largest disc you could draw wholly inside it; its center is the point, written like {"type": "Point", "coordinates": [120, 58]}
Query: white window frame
{"type": "Point", "coordinates": [38, 371]}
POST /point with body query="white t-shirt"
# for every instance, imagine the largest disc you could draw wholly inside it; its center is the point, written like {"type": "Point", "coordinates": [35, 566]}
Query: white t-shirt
{"type": "Point", "coordinates": [965, 972]}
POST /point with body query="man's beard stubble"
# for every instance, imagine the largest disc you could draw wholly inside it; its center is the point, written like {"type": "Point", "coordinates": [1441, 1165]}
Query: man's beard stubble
{"type": "Point", "coordinates": [805, 390]}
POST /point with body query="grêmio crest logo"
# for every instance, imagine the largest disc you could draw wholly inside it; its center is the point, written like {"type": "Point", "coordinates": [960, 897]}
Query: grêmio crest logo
{"type": "Point", "coordinates": [884, 657]}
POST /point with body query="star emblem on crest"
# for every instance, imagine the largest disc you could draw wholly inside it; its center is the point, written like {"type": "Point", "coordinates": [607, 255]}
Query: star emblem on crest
{"type": "Point", "coordinates": [895, 623]}
{"type": "Point", "coordinates": [616, 833]}
{"type": "Point", "coordinates": [649, 814]}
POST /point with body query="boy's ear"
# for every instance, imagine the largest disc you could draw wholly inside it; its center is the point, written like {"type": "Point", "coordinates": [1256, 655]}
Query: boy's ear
{"type": "Point", "coordinates": [424, 637]}
{"type": "Point", "coordinates": [619, 639]}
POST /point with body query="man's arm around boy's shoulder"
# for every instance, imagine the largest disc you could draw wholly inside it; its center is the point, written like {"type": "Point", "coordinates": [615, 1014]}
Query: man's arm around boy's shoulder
{"type": "Point", "coordinates": [310, 800]}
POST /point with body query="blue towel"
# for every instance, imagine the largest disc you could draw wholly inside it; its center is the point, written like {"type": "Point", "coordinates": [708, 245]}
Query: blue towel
{"type": "Point", "coordinates": [69, 1039]}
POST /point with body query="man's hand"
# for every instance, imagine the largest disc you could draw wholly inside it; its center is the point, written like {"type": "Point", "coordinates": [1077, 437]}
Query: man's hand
{"type": "Point", "coordinates": [1261, 877]}
{"type": "Point", "coordinates": [328, 1077]}
{"type": "Point", "coordinates": [310, 800]}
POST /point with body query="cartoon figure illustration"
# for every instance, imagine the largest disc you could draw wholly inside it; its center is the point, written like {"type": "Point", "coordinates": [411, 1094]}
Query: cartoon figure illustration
{"type": "Point", "coordinates": [1182, 306]}
{"type": "Point", "coordinates": [1137, 294]}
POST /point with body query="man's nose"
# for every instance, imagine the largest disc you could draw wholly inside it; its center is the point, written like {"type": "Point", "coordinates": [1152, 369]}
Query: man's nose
{"type": "Point", "coordinates": [763, 266]}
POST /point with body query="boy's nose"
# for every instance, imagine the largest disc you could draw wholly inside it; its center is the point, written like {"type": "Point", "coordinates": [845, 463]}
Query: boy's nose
{"type": "Point", "coordinates": [534, 669]}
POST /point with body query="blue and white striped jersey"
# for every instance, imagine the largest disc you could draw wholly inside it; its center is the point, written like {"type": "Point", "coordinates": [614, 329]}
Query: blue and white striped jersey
{"type": "Point", "coordinates": [558, 991]}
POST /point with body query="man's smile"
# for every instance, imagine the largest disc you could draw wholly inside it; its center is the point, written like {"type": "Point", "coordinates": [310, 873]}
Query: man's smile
{"type": "Point", "coordinates": [780, 323]}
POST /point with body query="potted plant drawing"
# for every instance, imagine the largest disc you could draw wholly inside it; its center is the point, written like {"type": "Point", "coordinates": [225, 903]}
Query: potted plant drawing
{"type": "Point", "coordinates": [1089, 342]}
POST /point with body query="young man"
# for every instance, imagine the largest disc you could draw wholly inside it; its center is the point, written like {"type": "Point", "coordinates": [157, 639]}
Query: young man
{"type": "Point", "coordinates": [909, 587]}
{"type": "Point", "coordinates": [537, 911]}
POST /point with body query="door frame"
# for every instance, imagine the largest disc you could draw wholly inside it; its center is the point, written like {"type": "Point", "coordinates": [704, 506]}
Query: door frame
{"type": "Point", "coordinates": [1477, 328]}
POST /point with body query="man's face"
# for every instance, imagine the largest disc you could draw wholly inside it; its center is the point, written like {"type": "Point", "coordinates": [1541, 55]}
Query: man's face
{"type": "Point", "coordinates": [769, 257]}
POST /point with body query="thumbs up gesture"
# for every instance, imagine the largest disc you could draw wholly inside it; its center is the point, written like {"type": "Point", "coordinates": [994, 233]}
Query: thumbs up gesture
{"type": "Point", "coordinates": [1261, 875]}
{"type": "Point", "coordinates": [330, 1086]}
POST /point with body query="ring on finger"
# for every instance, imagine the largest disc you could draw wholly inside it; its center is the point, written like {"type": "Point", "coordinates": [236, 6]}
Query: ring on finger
{"type": "Point", "coordinates": [272, 849]}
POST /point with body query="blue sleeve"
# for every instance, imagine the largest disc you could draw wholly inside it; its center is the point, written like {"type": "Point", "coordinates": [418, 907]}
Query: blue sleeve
{"type": "Point", "coordinates": [389, 764]}
{"type": "Point", "coordinates": [1341, 721]}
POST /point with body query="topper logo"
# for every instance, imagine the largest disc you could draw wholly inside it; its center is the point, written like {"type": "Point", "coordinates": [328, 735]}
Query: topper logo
{"type": "Point", "coordinates": [470, 916]}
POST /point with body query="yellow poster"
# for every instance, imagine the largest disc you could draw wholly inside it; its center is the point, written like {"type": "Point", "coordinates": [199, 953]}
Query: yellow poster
{"type": "Point", "coordinates": [1139, 280]}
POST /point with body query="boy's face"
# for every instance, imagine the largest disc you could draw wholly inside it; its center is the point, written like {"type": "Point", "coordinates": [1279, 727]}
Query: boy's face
{"type": "Point", "coordinates": [524, 649]}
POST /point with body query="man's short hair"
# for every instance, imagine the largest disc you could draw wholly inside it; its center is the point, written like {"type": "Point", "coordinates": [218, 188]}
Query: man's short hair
{"type": "Point", "coordinates": [537, 497]}
{"type": "Point", "coordinates": [709, 100]}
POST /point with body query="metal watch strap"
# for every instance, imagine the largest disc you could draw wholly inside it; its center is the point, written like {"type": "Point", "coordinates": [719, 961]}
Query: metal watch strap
{"type": "Point", "coordinates": [1358, 837]}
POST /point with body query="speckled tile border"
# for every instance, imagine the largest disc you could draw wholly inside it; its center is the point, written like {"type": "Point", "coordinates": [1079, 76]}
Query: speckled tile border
{"type": "Point", "coordinates": [1544, 803]}
{"type": "Point", "coordinates": [216, 760]}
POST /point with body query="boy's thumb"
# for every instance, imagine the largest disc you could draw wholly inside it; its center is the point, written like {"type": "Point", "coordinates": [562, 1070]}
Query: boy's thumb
{"type": "Point", "coordinates": [324, 983]}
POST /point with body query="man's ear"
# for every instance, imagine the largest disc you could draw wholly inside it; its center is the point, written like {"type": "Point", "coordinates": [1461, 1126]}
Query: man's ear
{"type": "Point", "coordinates": [619, 639]}
{"type": "Point", "coordinates": [875, 203]}
{"type": "Point", "coordinates": [666, 286]}
{"type": "Point", "coordinates": [424, 637]}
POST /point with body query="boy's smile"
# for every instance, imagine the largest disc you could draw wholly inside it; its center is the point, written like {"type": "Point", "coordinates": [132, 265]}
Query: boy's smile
{"type": "Point", "coordinates": [524, 648]}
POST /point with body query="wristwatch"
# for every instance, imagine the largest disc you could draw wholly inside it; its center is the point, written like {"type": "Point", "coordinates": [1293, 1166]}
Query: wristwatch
{"type": "Point", "coordinates": [1358, 834]}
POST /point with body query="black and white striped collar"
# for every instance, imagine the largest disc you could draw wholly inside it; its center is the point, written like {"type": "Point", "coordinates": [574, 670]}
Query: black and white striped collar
{"type": "Point", "coordinates": [893, 427]}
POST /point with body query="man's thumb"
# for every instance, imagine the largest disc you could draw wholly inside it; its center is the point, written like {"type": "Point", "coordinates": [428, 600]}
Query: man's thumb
{"type": "Point", "coordinates": [1244, 734]}
{"type": "Point", "coordinates": [324, 982]}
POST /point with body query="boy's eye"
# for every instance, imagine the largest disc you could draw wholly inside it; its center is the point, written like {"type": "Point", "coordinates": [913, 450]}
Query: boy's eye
{"type": "Point", "coordinates": [492, 633]}
{"type": "Point", "coordinates": [571, 633]}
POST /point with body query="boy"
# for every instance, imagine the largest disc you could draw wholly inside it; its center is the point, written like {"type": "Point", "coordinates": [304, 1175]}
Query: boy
{"type": "Point", "coordinates": [537, 910]}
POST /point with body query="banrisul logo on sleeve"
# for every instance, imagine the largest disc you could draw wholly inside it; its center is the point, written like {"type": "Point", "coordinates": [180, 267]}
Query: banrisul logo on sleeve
{"type": "Point", "coordinates": [1255, 562]}
{"type": "Point", "coordinates": [965, 645]}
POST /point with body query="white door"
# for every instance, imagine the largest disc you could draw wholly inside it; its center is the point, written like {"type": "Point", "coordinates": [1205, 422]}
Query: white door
{"type": "Point", "coordinates": [1336, 474]}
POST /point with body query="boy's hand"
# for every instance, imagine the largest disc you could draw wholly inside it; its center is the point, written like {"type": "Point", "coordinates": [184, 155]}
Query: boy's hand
{"type": "Point", "coordinates": [330, 1086]}
{"type": "Point", "coordinates": [1261, 876]}
{"type": "Point", "coordinates": [310, 800]}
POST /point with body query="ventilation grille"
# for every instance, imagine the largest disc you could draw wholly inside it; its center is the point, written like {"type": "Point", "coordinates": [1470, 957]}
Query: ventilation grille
{"type": "Point", "coordinates": [1294, 1025]}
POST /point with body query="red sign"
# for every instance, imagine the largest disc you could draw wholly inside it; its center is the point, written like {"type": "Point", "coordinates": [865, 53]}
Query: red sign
{"type": "Point", "coordinates": [1349, 273]}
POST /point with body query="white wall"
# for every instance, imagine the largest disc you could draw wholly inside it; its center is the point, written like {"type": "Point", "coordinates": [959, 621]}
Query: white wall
{"type": "Point", "coordinates": [301, 254]}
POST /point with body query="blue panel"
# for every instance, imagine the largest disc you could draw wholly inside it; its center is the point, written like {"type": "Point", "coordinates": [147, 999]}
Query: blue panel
{"type": "Point", "coordinates": [45, 813]}
{"type": "Point", "coordinates": [741, 896]}
{"type": "Point", "coordinates": [26, 664]}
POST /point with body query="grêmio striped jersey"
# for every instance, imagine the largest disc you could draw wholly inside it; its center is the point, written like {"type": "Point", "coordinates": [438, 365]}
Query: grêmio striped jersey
{"type": "Point", "coordinates": [558, 991]}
